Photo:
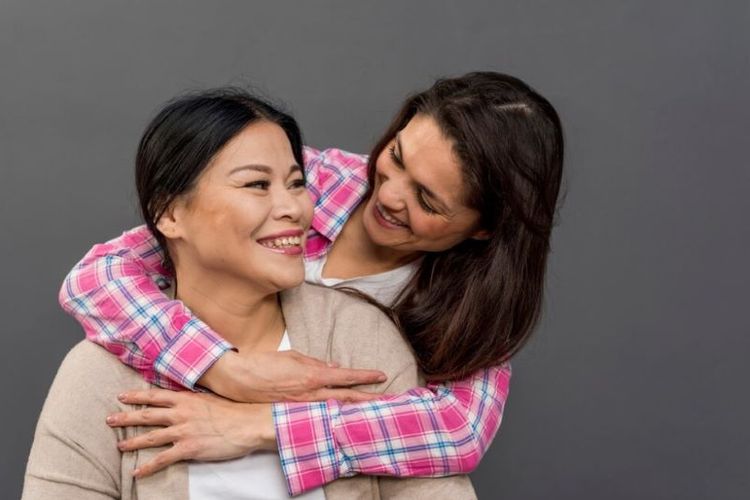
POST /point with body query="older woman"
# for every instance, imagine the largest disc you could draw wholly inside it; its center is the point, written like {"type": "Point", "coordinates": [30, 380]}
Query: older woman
{"type": "Point", "coordinates": [219, 177]}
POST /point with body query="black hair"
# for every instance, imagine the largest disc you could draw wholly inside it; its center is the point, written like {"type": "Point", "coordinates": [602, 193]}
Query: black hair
{"type": "Point", "coordinates": [184, 137]}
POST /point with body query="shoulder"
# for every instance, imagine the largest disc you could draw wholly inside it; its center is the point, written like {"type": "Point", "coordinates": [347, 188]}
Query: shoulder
{"type": "Point", "coordinates": [73, 447]}
{"type": "Point", "coordinates": [320, 301]}
{"type": "Point", "coordinates": [94, 359]}
{"type": "Point", "coordinates": [333, 157]}
{"type": "Point", "coordinates": [327, 170]}
{"type": "Point", "coordinates": [89, 371]}
{"type": "Point", "coordinates": [347, 329]}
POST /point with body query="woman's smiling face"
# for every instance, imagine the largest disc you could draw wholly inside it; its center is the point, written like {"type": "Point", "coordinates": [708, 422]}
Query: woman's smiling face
{"type": "Point", "coordinates": [417, 204]}
{"type": "Point", "coordinates": [247, 216]}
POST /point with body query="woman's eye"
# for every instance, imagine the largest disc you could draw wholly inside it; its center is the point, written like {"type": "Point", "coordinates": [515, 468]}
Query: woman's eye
{"type": "Point", "coordinates": [298, 183]}
{"type": "Point", "coordinates": [257, 184]}
{"type": "Point", "coordinates": [423, 203]}
{"type": "Point", "coordinates": [394, 157]}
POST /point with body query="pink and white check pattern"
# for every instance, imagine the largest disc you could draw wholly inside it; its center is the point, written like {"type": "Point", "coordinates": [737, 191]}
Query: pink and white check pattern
{"type": "Point", "coordinates": [435, 431]}
{"type": "Point", "coordinates": [115, 293]}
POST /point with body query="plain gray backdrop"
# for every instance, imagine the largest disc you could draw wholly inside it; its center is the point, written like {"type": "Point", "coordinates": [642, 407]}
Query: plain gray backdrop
{"type": "Point", "coordinates": [635, 384]}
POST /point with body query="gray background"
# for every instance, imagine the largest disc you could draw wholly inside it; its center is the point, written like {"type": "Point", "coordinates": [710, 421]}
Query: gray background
{"type": "Point", "coordinates": [634, 385]}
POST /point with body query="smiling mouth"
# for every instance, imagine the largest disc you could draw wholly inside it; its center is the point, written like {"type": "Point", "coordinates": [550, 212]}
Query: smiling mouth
{"type": "Point", "coordinates": [284, 242]}
{"type": "Point", "coordinates": [287, 245]}
{"type": "Point", "coordinates": [383, 213]}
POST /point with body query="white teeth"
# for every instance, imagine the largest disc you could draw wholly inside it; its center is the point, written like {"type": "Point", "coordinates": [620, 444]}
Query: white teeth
{"type": "Point", "coordinates": [282, 242]}
{"type": "Point", "coordinates": [388, 217]}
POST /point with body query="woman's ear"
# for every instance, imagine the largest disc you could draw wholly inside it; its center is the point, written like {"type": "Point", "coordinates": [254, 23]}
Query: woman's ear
{"type": "Point", "coordinates": [482, 234]}
{"type": "Point", "coordinates": [169, 224]}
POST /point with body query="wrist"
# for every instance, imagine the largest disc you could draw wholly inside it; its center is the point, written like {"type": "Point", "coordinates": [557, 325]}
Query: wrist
{"type": "Point", "coordinates": [268, 428]}
{"type": "Point", "coordinates": [219, 377]}
{"type": "Point", "coordinates": [259, 425]}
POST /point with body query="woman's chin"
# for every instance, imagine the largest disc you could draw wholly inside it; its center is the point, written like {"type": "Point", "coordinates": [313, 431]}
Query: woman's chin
{"type": "Point", "coordinates": [288, 280]}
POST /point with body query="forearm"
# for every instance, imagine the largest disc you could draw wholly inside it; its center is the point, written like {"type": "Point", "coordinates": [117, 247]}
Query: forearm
{"type": "Point", "coordinates": [436, 431]}
{"type": "Point", "coordinates": [113, 293]}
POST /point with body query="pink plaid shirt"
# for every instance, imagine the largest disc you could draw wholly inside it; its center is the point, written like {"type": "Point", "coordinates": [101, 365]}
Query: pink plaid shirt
{"type": "Point", "coordinates": [115, 293]}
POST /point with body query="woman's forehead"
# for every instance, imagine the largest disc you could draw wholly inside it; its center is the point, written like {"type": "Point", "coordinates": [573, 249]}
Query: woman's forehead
{"type": "Point", "coordinates": [430, 158]}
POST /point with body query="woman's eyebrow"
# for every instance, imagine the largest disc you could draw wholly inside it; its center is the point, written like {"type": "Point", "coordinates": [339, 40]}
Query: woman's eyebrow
{"type": "Point", "coordinates": [258, 168]}
{"type": "Point", "coordinates": [263, 168]}
{"type": "Point", "coordinates": [443, 205]}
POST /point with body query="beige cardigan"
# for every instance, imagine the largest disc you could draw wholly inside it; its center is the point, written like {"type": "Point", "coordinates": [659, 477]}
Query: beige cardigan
{"type": "Point", "coordinates": [75, 455]}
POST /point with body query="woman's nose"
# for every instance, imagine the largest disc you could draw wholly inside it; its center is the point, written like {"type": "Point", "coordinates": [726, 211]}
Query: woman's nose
{"type": "Point", "coordinates": [392, 191]}
{"type": "Point", "coordinates": [287, 205]}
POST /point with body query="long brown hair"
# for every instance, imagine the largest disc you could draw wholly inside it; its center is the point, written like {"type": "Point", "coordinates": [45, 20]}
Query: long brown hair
{"type": "Point", "coordinates": [474, 305]}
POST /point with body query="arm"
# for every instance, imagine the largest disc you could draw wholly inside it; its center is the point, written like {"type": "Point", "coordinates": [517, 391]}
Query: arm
{"type": "Point", "coordinates": [440, 430]}
{"type": "Point", "coordinates": [336, 181]}
{"type": "Point", "coordinates": [113, 294]}
{"type": "Point", "coordinates": [413, 488]}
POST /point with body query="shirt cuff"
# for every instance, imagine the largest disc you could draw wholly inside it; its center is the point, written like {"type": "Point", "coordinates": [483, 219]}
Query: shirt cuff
{"type": "Point", "coordinates": [191, 352]}
{"type": "Point", "coordinates": [309, 455]}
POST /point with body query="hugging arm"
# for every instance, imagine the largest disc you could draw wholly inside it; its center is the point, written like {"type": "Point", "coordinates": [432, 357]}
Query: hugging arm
{"type": "Point", "coordinates": [434, 431]}
{"type": "Point", "coordinates": [113, 293]}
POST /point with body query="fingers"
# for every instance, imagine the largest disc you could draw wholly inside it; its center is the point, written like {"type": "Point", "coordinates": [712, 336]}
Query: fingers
{"type": "Point", "coordinates": [348, 376]}
{"type": "Point", "coordinates": [160, 461]}
{"type": "Point", "coordinates": [308, 360]}
{"type": "Point", "coordinates": [152, 397]}
{"type": "Point", "coordinates": [152, 439]}
{"type": "Point", "coordinates": [147, 416]}
{"type": "Point", "coordinates": [346, 395]}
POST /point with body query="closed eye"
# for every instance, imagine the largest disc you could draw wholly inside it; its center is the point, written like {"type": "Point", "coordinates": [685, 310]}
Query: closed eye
{"type": "Point", "coordinates": [419, 192]}
{"type": "Point", "coordinates": [394, 157]}
{"type": "Point", "coordinates": [423, 203]}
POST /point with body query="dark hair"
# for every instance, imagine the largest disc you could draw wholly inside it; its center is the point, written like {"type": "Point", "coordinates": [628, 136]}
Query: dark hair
{"type": "Point", "coordinates": [186, 134]}
{"type": "Point", "coordinates": [474, 305]}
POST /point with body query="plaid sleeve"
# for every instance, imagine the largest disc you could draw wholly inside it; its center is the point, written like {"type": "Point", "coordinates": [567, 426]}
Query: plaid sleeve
{"type": "Point", "coordinates": [337, 182]}
{"type": "Point", "coordinates": [114, 293]}
{"type": "Point", "coordinates": [435, 431]}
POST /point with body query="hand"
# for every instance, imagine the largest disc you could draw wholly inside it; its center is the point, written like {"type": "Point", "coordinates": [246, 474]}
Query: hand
{"type": "Point", "coordinates": [286, 376]}
{"type": "Point", "coordinates": [199, 426]}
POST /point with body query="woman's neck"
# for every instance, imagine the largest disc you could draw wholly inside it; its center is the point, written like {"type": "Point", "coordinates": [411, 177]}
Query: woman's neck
{"type": "Point", "coordinates": [355, 254]}
{"type": "Point", "coordinates": [249, 319]}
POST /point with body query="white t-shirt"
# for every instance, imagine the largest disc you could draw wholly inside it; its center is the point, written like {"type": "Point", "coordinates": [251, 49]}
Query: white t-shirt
{"type": "Point", "coordinates": [383, 287]}
{"type": "Point", "coordinates": [252, 477]}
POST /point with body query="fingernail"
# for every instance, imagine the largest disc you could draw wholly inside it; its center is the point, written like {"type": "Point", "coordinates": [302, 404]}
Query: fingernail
{"type": "Point", "coordinates": [122, 396]}
{"type": "Point", "coordinates": [110, 419]}
{"type": "Point", "coordinates": [382, 378]}
{"type": "Point", "coordinates": [136, 472]}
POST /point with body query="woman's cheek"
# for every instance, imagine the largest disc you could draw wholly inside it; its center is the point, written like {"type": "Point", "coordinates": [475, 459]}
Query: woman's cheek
{"type": "Point", "coordinates": [307, 209]}
{"type": "Point", "coordinates": [429, 228]}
